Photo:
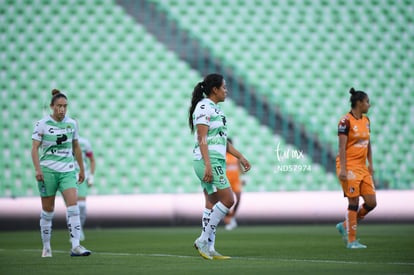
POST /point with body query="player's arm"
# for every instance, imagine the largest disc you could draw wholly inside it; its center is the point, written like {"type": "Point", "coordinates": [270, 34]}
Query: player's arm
{"type": "Point", "coordinates": [243, 161]}
{"type": "Point", "coordinates": [369, 157]}
{"type": "Point", "coordinates": [202, 131]}
{"type": "Point", "coordinates": [78, 156]}
{"type": "Point", "coordinates": [35, 159]}
{"type": "Point", "coordinates": [343, 139]}
{"type": "Point", "coordinates": [91, 158]}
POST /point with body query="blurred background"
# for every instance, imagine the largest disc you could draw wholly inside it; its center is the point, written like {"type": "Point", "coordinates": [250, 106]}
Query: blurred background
{"type": "Point", "coordinates": [129, 68]}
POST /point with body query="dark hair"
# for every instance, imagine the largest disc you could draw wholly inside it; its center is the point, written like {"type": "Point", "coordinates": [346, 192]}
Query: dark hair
{"type": "Point", "coordinates": [204, 87]}
{"type": "Point", "coordinates": [56, 94]}
{"type": "Point", "coordinates": [229, 139]}
{"type": "Point", "coordinates": [356, 96]}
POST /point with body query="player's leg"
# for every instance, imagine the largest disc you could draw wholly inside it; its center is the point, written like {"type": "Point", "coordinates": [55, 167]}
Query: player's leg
{"type": "Point", "coordinates": [218, 212]}
{"type": "Point", "coordinates": [210, 201]}
{"type": "Point", "coordinates": [47, 190]}
{"type": "Point", "coordinates": [69, 192]}
{"type": "Point", "coordinates": [219, 187]}
{"type": "Point", "coordinates": [233, 222]}
{"type": "Point", "coordinates": [370, 198]}
{"type": "Point", "coordinates": [82, 193]}
{"type": "Point", "coordinates": [46, 218]}
{"type": "Point", "coordinates": [351, 218]}
{"type": "Point", "coordinates": [348, 229]}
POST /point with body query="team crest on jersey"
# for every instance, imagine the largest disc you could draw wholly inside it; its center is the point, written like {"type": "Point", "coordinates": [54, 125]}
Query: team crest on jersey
{"type": "Point", "coordinates": [350, 175]}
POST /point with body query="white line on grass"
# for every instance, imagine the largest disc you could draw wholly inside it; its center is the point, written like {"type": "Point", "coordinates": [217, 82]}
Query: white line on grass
{"type": "Point", "coordinates": [239, 258]}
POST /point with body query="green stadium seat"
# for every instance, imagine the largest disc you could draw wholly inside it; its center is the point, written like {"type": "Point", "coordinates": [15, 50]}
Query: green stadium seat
{"type": "Point", "coordinates": [116, 73]}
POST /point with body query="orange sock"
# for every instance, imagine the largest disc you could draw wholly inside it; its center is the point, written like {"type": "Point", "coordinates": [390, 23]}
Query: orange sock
{"type": "Point", "coordinates": [351, 225]}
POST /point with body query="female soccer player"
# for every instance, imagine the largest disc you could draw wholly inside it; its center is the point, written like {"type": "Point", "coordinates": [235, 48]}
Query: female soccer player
{"type": "Point", "coordinates": [87, 153]}
{"type": "Point", "coordinates": [58, 136]}
{"type": "Point", "coordinates": [208, 122]}
{"type": "Point", "coordinates": [351, 166]}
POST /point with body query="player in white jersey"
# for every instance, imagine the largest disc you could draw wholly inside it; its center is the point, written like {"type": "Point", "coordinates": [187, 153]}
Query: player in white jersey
{"type": "Point", "coordinates": [87, 154]}
{"type": "Point", "coordinates": [57, 136]}
{"type": "Point", "coordinates": [208, 122]}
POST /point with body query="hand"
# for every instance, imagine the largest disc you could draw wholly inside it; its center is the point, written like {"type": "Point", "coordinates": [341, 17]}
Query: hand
{"type": "Point", "coordinates": [81, 176]}
{"type": "Point", "coordinates": [245, 163]}
{"type": "Point", "coordinates": [90, 180]}
{"type": "Point", "coordinates": [343, 175]}
{"type": "Point", "coordinates": [39, 175]}
{"type": "Point", "coordinates": [208, 174]}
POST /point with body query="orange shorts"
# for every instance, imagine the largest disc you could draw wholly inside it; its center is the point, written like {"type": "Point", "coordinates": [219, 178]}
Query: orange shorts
{"type": "Point", "coordinates": [235, 184]}
{"type": "Point", "coordinates": [359, 183]}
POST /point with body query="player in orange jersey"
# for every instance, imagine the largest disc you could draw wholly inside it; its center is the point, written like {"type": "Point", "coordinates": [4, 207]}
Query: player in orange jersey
{"type": "Point", "coordinates": [233, 172]}
{"type": "Point", "coordinates": [351, 166]}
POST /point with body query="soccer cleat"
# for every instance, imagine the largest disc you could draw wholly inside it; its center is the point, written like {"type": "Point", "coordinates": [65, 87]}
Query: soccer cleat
{"type": "Point", "coordinates": [202, 247]}
{"type": "Point", "coordinates": [47, 252]}
{"type": "Point", "coordinates": [80, 251]}
{"type": "Point", "coordinates": [355, 245]}
{"type": "Point", "coordinates": [218, 256]}
{"type": "Point", "coordinates": [342, 231]}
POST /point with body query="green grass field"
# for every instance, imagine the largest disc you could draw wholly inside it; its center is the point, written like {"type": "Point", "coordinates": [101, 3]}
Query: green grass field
{"type": "Point", "coordinates": [254, 250]}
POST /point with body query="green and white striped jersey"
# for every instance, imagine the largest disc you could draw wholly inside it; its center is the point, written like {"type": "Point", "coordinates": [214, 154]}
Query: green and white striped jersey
{"type": "Point", "coordinates": [210, 114]}
{"type": "Point", "coordinates": [56, 142]}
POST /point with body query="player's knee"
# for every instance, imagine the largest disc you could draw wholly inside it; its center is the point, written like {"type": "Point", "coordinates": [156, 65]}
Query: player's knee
{"type": "Point", "coordinates": [48, 216]}
{"type": "Point", "coordinates": [353, 207]}
{"type": "Point", "coordinates": [370, 206]}
{"type": "Point", "coordinates": [73, 210]}
{"type": "Point", "coordinates": [228, 201]}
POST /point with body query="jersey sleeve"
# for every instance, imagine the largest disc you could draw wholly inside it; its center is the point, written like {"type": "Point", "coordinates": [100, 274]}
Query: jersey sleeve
{"type": "Point", "coordinates": [201, 114]}
{"type": "Point", "coordinates": [343, 126]}
{"type": "Point", "coordinates": [76, 132]}
{"type": "Point", "coordinates": [38, 131]}
{"type": "Point", "coordinates": [88, 148]}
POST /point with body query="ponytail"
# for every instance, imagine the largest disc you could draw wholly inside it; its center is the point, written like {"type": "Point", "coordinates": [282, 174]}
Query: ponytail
{"type": "Point", "coordinates": [204, 87]}
{"type": "Point", "coordinates": [197, 97]}
{"type": "Point", "coordinates": [356, 96]}
{"type": "Point", "coordinates": [55, 95]}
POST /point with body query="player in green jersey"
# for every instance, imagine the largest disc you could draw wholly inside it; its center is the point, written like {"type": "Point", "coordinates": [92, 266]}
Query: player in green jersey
{"type": "Point", "coordinates": [208, 122]}
{"type": "Point", "coordinates": [57, 135]}
{"type": "Point", "coordinates": [87, 154]}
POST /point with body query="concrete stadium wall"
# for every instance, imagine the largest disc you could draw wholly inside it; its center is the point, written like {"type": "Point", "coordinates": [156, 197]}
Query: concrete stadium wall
{"type": "Point", "coordinates": [185, 209]}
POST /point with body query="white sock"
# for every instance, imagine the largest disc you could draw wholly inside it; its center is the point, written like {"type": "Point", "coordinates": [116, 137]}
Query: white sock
{"type": "Point", "coordinates": [206, 217]}
{"type": "Point", "coordinates": [74, 224]}
{"type": "Point", "coordinates": [204, 222]}
{"type": "Point", "coordinates": [217, 213]}
{"type": "Point", "coordinates": [212, 240]}
{"type": "Point", "coordinates": [46, 227]}
{"type": "Point", "coordinates": [82, 211]}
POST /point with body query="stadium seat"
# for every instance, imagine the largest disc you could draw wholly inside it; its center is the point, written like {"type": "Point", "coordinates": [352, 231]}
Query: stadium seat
{"type": "Point", "coordinates": [131, 94]}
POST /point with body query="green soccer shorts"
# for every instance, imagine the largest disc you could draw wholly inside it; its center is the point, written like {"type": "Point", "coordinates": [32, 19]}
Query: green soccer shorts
{"type": "Point", "coordinates": [56, 181]}
{"type": "Point", "coordinates": [220, 180]}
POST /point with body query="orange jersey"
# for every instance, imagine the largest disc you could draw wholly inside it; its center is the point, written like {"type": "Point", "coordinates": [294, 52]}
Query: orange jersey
{"type": "Point", "coordinates": [232, 169]}
{"type": "Point", "coordinates": [358, 132]}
